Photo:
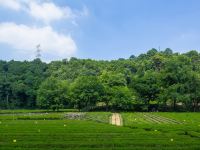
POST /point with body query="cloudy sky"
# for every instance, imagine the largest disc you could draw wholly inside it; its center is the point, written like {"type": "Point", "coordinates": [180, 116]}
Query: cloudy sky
{"type": "Point", "coordinates": [97, 29]}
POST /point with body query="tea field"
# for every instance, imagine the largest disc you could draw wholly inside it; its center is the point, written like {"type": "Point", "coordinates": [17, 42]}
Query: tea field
{"type": "Point", "coordinates": [140, 131]}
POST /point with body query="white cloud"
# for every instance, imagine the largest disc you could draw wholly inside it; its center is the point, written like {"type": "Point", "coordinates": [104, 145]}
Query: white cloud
{"type": "Point", "coordinates": [49, 12]}
{"type": "Point", "coordinates": [46, 11]}
{"type": "Point", "coordinates": [24, 39]}
{"type": "Point", "coordinates": [12, 4]}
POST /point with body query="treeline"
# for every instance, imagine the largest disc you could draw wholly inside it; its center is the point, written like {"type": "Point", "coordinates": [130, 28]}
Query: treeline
{"type": "Point", "coordinates": [157, 80]}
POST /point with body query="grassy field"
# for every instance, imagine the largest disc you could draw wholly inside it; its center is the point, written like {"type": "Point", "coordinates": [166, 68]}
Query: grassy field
{"type": "Point", "coordinates": [16, 111]}
{"type": "Point", "coordinates": [141, 131]}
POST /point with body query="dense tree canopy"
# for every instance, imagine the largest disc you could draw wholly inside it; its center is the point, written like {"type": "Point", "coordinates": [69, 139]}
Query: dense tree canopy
{"type": "Point", "coordinates": [52, 93]}
{"type": "Point", "coordinates": [86, 91]}
{"type": "Point", "coordinates": [157, 80]}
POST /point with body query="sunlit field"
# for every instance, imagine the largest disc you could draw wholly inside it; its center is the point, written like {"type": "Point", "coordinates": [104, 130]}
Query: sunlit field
{"type": "Point", "coordinates": [99, 75]}
{"type": "Point", "coordinates": [154, 131]}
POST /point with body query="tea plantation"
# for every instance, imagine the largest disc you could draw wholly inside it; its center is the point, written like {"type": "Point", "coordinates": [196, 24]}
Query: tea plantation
{"type": "Point", "coordinates": [140, 131]}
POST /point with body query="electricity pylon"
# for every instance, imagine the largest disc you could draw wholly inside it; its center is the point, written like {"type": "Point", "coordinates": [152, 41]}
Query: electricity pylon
{"type": "Point", "coordinates": [38, 51]}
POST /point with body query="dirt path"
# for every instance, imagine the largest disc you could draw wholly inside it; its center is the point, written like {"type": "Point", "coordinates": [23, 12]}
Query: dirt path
{"type": "Point", "coordinates": [116, 119]}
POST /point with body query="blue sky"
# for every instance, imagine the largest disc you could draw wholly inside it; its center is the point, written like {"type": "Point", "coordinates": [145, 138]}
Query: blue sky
{"type": "Point", "coordinates": [97, 29]}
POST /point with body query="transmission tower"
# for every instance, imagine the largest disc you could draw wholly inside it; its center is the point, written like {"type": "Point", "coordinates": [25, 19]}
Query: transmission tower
{"type": "Point", "coordinates": [38, 51]}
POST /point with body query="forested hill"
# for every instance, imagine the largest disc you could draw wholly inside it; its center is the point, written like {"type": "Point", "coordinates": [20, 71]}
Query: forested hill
{"type": "Point", "coordinates": [157, 80]}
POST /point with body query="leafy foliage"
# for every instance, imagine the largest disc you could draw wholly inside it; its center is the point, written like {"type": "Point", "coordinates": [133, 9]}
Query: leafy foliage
{"type": "Point", "coordinates": [86, 91]}
{"type": "Point", "coordinates": [157, 80]}
{"type": "Point", "coordinates": [52, 93]}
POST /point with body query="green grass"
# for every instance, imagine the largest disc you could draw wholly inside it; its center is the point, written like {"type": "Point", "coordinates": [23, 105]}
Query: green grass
{"type": "Point", "coordinates": [139, 132]}
{"type": "Point", "coordinates": [102, 117]}
{"type": "Point", "coordinates": [8, 111]}
{"type": "Point", "coordinates": [32, 116]}
{"type": "Point", "coordinates": [181, 127]}
{"type": "Point", "coordinates": [189, 117]}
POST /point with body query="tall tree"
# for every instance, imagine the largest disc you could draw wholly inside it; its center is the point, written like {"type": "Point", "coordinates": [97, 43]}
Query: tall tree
{"type": "Point", "coordinates": [86, 91]}
{"type": "Point", "coordinates": [53, 93]}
